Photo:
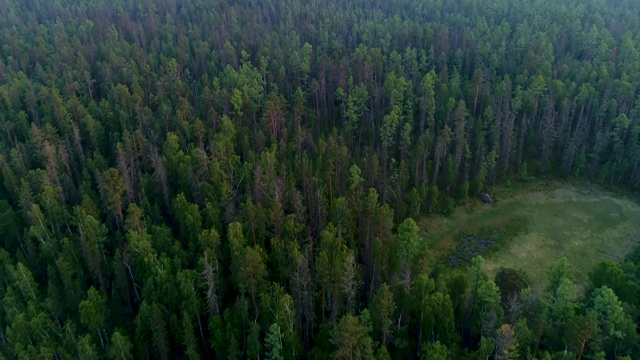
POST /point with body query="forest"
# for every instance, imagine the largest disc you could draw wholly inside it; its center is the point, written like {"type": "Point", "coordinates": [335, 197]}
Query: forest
{"type": "Point", "coordinates": [241, 179]}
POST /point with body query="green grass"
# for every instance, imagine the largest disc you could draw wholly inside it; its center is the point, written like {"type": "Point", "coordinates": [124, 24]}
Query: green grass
{"type": "Point", "coordinates": [540, 224]}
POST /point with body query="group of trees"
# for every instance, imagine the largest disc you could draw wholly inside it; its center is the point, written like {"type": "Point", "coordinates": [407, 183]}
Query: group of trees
{"type": "Point", "coordinates": [239, 179]}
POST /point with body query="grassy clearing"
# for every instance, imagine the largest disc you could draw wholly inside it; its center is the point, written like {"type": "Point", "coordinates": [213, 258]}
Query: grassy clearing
{"type": "Point", "coordinates": [540, 224]}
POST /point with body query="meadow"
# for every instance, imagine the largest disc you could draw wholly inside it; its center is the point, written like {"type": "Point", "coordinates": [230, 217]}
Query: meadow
{"type": "Point", "coordinates": [531, 228]}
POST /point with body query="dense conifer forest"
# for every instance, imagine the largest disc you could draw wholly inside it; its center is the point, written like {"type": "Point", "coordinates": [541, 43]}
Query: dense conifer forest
{"type": "Point", "coordinates": [241, 179]}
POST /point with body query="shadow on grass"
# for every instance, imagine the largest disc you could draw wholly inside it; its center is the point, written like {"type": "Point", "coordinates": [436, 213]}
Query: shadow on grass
{"type": "Point", "coordinates": [483, 239]}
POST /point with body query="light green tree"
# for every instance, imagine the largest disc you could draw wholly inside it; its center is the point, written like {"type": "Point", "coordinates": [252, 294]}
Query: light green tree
{"type": "Point", "coordinates": [273, 343]}
{"type": "Point", "coordinates": [435, 351]}
{"type": "Point", "coordinates": [120, 347]}
{"type": "Point", "coordinates": [93, 312]}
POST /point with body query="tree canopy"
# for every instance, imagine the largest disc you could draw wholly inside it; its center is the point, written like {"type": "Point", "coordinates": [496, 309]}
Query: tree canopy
{"type": "Point", "coordinates": [242, 179]}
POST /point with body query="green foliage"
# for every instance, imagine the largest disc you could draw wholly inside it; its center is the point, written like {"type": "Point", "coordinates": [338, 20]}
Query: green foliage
{"type": "Point", "coordinates": [489, 295]}
{"type": "Point", "coordinates": [112, 190]}
{"type": "Point", "coordinates": [254, 348]}
{"type": "Point", "coordinates": [610, 274]}
{"type": "Point", "coordinates": [237, 180]}
{"type": "Point", "coordinates": [273, 343]}
{"type": "Point", "coordinates": [351, 339]}
{"type": "Point", "coordinates": [408, 240]}
{"type": "Point", "coordinates": [564, 294]}
{"type": "Point", "coordinates": [435, 351]}
{"type": "Point", "coordinates": [86, 348]}
{"type": "Point", "coordinates": [382, 309]}
{"type": "Point", "coordinates": [611, 319]}
{"type": "Point", "coordinates": [120, 347]}
{"type": "Point", "coordinates": [93, 311]}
